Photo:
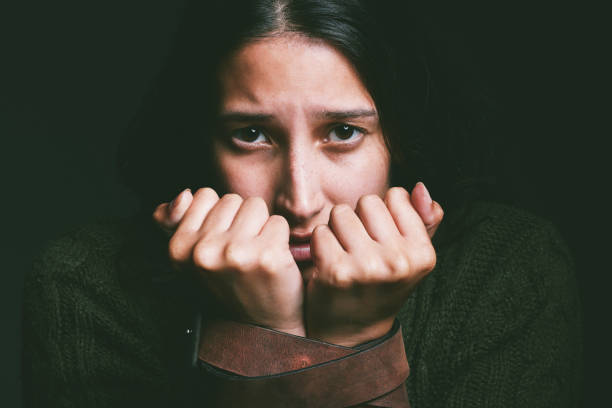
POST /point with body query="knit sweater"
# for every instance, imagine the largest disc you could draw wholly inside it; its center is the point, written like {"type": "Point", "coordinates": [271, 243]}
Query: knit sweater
{"type": "Point", "coordinates": [495, 324]}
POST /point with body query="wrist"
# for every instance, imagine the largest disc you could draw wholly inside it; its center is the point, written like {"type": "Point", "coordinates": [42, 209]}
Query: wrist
{"type": "Point", "coordinates": [350, 335]}
{"type": "Point", "coordinates": [296, 330]}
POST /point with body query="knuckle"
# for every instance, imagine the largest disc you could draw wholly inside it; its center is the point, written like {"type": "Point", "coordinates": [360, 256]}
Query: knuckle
{"type": "Point", "coordinates": [339, 209]}
{"type": "Point", "coordinates": [399, 264]}
{"type": "Point", "coordinates": [319, 231]}
{"type": "Point", "coordinates": [178, 248]}
{"type": "Point", "coordinates": [206, 192]}
{"type": "Point", "coordinates": [342, 281]}
{"type": "Point", "coordinates": [204, 255]}
{"type": "Point", "coordinates": [428, 259]}
{"type": "Point", "coordinates": [232, 198]}
{"type": "Point", "coordinates": [396, 193]}
{"type": "Point", "coordinates": [237, 256]}
{"type": "Point", "coordinates": [258, 204]}
{"type": "Point", "coordinates": [371, 267]}
{"type": "Point", "coordinates": [279, 220]}
{"type": "Point", "coordinates": [368, 201]}
{"type": "Point", "coordinates": [268, 261]}
{"type": "Point", "coordinates": [340, 276]}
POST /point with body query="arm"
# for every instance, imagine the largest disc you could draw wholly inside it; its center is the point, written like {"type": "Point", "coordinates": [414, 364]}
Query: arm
{"type": "Point", "coordinates": [87, 343]}
{"type": "Point", "coordinates": [498, 322]}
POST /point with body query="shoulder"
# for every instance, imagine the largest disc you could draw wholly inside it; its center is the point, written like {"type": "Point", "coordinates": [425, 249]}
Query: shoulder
{"type": "Point", "coordinates": [75, 268]}
{"type": "Point", "coordinates": [498, 224]}
{"type": "Point", "coordinates": [102, 250]}
{"type": "Point", "coordinates": [491, 238]}
{"type": "Point", "coordinates": [97, 240]}
{"type": "Point", "coordinates": [85, 257]}
{"type": "Point", "coordinates": [505, 260]}
{"type": "Point", "coordinates": [96, 269]}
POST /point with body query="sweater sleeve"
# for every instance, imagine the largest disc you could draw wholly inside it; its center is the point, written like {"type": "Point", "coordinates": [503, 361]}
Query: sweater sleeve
{"type": "Point", "coordinates": [85, 341]}
{"type": "Point", "coordinates": [502, 327]}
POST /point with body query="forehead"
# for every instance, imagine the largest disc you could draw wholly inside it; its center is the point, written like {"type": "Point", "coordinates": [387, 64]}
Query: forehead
{"type": "Point", "coordinates": [288, 71]}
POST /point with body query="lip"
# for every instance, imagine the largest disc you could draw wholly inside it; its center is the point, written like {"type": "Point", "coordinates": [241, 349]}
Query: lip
{"type": "Point", "coordinates": [299, 245]}
{"type": "Point", "coordinates": [300, 252]}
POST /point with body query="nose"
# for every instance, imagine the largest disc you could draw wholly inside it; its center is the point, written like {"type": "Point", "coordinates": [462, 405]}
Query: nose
{"type": "Point", "coordinates": [300, 197]}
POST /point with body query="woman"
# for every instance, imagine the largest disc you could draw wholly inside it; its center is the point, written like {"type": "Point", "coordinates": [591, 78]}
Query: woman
{"type": "Point", "coordinates": [297, 118]}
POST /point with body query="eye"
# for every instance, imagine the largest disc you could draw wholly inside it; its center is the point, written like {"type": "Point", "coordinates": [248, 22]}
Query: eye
{"type": "Point", "coordinates": [249, 135]}
{"type": "Point", "coordinates": [345, 133]}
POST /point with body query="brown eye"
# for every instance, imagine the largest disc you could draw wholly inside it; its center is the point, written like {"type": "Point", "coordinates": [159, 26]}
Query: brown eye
{"type": "Point", "coordinates": [249, 135]}
{"type": "Point", "coordinates": [344, 133]}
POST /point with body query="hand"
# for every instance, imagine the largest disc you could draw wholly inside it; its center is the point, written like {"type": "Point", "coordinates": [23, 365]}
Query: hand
{"type": "Point", "coordinates": [368, 261]}
{"type": "Point", "coordinates": [241, 256]}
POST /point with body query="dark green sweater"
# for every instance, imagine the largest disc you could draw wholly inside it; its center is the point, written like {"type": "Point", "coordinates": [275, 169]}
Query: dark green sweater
{"type": "Point", "coordinates": [496, 324]}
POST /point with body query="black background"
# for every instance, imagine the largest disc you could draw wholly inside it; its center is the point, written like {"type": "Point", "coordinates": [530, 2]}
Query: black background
{"type": "Point", "coordinates": [73, 73]}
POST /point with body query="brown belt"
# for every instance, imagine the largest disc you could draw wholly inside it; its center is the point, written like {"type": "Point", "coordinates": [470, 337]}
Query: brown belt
{"type": "Point", "coordinates": [248, 365]}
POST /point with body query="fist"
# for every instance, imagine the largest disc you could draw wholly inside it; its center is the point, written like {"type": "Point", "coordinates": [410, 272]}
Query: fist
{"type": "Point", "coordinates": [240, 255]}
{"type": "Point", "coordinates": [368, 261]}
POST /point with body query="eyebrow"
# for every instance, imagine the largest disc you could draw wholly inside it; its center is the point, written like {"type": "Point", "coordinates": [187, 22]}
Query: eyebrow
{"type": "Point", "coordinates": [233, 116]}
{"type": "Point", "coordinates": [349, 114]}
{"type": "Point", "coordinates": [236, 116]}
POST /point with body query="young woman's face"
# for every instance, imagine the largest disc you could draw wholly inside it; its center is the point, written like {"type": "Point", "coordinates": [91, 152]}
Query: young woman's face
{"type": "Point", "coordinates": [299, 129]}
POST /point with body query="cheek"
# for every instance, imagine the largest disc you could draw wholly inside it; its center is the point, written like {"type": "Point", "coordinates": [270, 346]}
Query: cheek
{"type": "Point", "coordinates": [366, 172]}
{"type": "Point", "coordinates": [247, 177]}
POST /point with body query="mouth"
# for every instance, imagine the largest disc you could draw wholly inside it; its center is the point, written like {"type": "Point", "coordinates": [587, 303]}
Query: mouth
{"type": "Point", "coordinates": [299, 245]}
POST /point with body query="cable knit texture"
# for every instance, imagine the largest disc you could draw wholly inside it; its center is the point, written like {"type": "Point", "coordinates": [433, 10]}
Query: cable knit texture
{"type": "Point", "coordinates": [496, 324]}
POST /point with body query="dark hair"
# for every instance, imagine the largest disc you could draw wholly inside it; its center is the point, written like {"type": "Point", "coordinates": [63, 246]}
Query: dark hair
{"type": "Point", "coordinates": [431, 111]}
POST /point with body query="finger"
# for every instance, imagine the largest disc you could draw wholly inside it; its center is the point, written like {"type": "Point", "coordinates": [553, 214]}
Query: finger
{"type": "Point", "coordinates": [347, 228]}
{"type": "Point", "coordinates": [325, 248]}
{"type": "Point", "coordinates": [160, 216]}
{"type": "Point", "coordinates": [406, 218]}
{"type": "Point", "coordinates": [168, 215]}
{"type": "Point", "coordinates": [432, 228]}
{"type": "Point", "coordinates": [430, 211]}
{"type": "Point", "coordinates": [220, 217]}
{"type": "Point", "coordinates": [273, 245]}
{"type": "Point", "coordinates": [203, 200]}
{"type": "Point", "coordinates": [178, 207]}
{"type": "Point", "coordinates": [275, 229]}
{"type": "Point", "coordinates": [250, 218]}
{"type": "Point", "coordinates": [375, 217]}
{"type": "Point", "coordinates": [435, 218]}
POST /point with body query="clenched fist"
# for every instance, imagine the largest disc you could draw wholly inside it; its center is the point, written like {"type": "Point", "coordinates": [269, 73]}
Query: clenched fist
{"type": "Point", "coordinates": [241, 255]}
{"type": "Point", "coordinates": [368, 261]}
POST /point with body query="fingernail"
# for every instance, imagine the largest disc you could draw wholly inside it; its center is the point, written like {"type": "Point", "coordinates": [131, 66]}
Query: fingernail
{"type": "Point", "coordinates": [427, 196]}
